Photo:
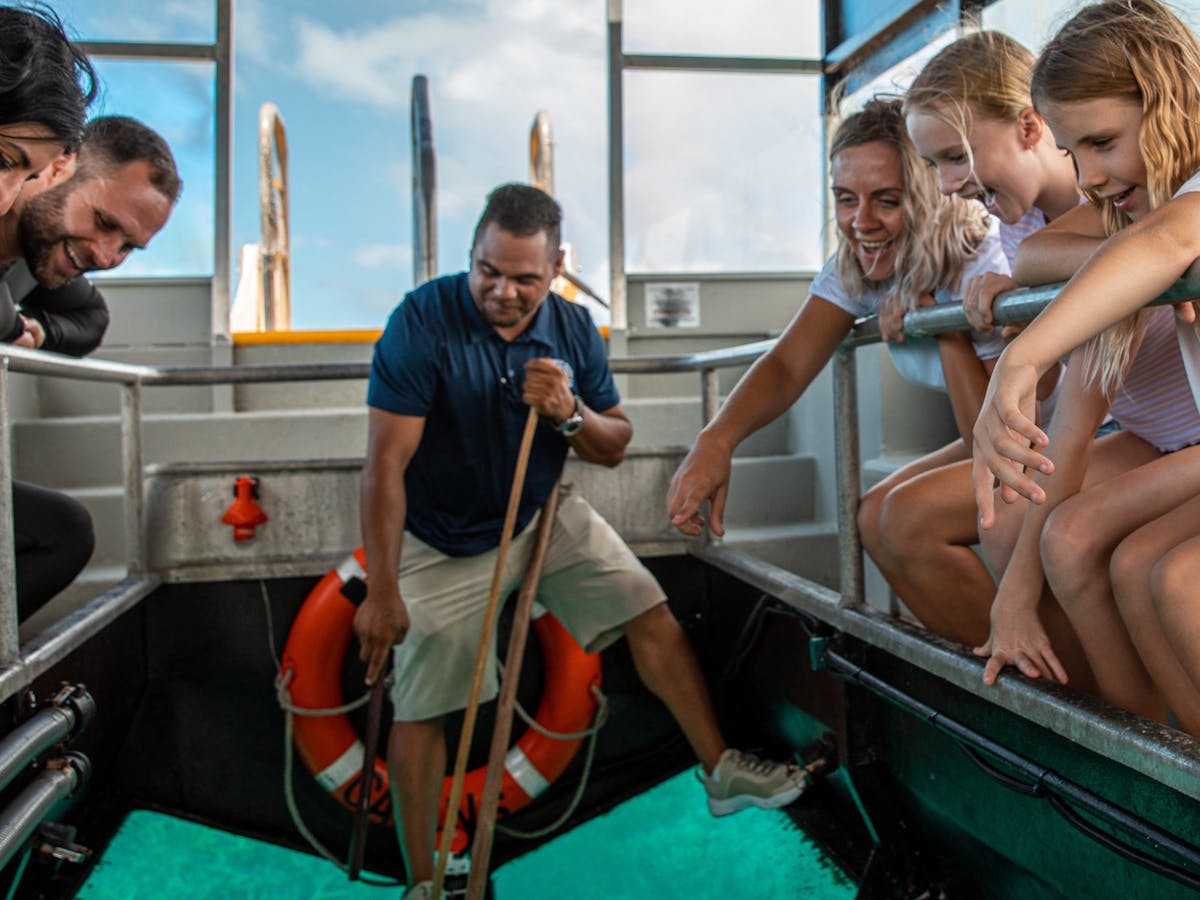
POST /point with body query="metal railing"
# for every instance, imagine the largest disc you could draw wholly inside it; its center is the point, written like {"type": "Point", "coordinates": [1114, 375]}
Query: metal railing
{"type": "Point", "coordinates": [19, 665]}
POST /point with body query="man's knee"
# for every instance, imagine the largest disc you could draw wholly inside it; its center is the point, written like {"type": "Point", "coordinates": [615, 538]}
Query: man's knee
{"type": "Point", "coordinates": [653, 627]}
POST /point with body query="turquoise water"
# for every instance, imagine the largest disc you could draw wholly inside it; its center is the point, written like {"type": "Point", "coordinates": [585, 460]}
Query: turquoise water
{"type": "Point", "coordinates": [662, 843]}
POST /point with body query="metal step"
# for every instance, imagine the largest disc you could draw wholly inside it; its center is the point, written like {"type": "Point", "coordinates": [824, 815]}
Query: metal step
{"type": "Point", "coordinates": [771, 490]}
{"type": "Point", "coordinates": [809, 549]}
{"type": "Point", "coordinates": [86, 452]}
{"type": "Point", "coordinates": [675, 421]}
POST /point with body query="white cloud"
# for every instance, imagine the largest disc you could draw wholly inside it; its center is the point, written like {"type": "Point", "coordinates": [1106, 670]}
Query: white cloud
{"type": "Point", "coordinates": [255, 32]}
{"type": "Point", "coordinates": [384, 256]}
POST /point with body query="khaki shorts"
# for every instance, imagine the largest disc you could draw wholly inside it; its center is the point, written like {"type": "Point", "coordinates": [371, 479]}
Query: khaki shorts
{"type": "Point", "coordinates": [591, 582]}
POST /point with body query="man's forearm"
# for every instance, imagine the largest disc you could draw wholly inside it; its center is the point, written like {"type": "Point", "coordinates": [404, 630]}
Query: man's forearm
{"type": "Point", "coordinates": [384, 508]}
{"type": "Point", "coordinates": [603, 437]}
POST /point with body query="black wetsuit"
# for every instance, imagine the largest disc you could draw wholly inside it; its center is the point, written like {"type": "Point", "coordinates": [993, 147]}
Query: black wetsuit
{"type": "Point", "coordinates": [53, 535]}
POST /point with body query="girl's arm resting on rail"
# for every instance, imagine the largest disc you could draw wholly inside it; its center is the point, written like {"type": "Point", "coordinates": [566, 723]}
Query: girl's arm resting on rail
{"type": "Point", "coordinates": [1134, 266]}
{"type": "Point", "coordinates": [767, 390]}
{"type": "Point", "coordinates": [1017, 636]}
{"type": "Point", "coordinates": [1057, 251]}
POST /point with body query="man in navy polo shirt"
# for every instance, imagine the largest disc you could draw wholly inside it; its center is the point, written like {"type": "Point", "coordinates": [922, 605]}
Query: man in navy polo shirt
{"type": "Point", "coordinates": [454, 374]}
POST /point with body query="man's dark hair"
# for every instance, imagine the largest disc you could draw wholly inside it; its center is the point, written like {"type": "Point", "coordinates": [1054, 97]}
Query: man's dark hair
{"type": "Point", "coordinates": [522, 210]}
{"type": "Point", "coordinates": [44, 78]}
{"type": "Point", "coordinates": [111, 142]}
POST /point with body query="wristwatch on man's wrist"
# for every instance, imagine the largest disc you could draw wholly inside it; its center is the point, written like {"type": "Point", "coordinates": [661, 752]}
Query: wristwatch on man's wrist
{"type": "Point", "coordinates": [573, 423]}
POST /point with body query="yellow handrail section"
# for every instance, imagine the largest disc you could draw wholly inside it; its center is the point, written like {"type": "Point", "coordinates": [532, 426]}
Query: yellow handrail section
{"type": "Point", "coordinates": [316, 336]}
{"type": "Point", "coordinates": [340, 336]}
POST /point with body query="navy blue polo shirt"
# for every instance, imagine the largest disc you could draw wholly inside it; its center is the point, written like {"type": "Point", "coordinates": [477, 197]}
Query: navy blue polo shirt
{"type": "Point", "coordinates": [439, 358]}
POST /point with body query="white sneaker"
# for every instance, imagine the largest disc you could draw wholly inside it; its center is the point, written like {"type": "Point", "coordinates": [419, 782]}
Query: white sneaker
{"type": "Point", "coordinates": [422, 890]}
{"type": "Point", "coordinates": [740, 780]}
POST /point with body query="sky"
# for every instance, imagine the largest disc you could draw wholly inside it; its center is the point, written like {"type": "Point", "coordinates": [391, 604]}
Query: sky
{"type": "Point", "coordinates": [723, 172]}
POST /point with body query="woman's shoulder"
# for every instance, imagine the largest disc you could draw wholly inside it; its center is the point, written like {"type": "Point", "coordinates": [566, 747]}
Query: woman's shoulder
{"type": "Point", "coordinates": [830, 285]}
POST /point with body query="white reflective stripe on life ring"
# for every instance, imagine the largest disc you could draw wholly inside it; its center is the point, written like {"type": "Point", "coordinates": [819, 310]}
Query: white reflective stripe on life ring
{"type": "Point", "coordinates": [342, 769]}
{"type": "Point", "coordinates": [524, 773]}
{"type": "Point", "coordinates": [349, 568]}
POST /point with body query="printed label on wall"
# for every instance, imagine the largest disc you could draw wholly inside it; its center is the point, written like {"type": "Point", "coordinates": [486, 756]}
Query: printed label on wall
{"type": "Point", "coordinates": [673, 304]}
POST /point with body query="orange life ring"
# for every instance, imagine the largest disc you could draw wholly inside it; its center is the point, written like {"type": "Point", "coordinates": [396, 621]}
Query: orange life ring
{"type": "Point", "coordinates": [333, 753]}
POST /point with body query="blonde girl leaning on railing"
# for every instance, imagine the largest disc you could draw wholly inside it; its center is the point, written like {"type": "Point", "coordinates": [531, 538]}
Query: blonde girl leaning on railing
{"type": "Point", "coordinates": [972, 120]}
{"type": "Point", "coordinates": [1118, 85]}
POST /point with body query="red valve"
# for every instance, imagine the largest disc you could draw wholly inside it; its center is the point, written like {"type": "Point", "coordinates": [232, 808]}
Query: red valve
{"type": "Point", "coordinates": [244, 514]}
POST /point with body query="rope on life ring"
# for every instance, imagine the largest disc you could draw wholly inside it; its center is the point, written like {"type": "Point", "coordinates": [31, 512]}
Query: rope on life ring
{"type": "Point", "coordinates": [333, 753]}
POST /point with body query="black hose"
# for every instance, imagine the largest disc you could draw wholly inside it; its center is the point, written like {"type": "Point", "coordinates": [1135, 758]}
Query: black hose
{"type": "Point", "coordinates": [1044, 784]}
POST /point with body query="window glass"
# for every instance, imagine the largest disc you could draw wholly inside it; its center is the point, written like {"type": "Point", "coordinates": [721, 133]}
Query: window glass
{"type": "Point", "coordinates": [173, 21]}
{"type": "Point", "coordinates": [1032, 22]}
{"type": "Point", "coordinates": [341, 75]}
{"type": "Point", "coordinates": [180, 108]}
{"type": "Point", "coordinates": [722, 172]}
{"type": "Point", "coordinates": [721, 28]}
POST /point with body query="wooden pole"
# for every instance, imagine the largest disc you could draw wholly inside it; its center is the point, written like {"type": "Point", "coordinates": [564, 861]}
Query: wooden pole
{"type": "Point", "coordinates": [482, 656]}
{"type": "Point", "coordinates": [489, 802]}
{"type": "Point", "coordinates": [358, 841]}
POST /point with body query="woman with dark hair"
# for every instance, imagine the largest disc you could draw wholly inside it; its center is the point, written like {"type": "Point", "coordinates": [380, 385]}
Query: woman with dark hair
{"type": "Point", "coordinates": [46, 84]}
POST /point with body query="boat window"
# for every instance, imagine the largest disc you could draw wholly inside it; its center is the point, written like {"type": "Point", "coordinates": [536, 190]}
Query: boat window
{"type": "Point", "coordinates": [896, 80]}
{"type": "Point", "coordinates": [720, 28]}
{"type": "Point", "coordinates": [141, 20]}
{"type": "Point", "coordinates": [722, 172]}
{"type": "Point", "coordinates": [181, 109]}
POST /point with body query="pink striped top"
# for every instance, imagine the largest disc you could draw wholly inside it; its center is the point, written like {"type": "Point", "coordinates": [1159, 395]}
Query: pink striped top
{"type": "Point", "coordinates": [1012, 235]}
{"type": "Point", "coordinates": [1155, 401]}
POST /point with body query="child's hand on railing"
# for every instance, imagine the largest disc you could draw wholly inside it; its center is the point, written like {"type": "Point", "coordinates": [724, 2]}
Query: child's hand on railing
{"type": "Point", "coordinates": [1018, 639]}
{"type": "Point", "coordinates": [980, 296]}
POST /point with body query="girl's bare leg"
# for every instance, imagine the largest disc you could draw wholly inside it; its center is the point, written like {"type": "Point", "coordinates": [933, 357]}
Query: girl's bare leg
{"type": "Point", "coordinates": [1078, 541]}
{"type": "Point", "coordinates": [1150, 568]}
{"type": "Point", "coordinates": [926, 529]}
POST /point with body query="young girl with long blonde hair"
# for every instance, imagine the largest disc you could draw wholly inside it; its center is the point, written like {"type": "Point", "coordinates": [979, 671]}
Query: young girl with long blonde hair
{"type": "Point", "coordinates": [1119, 84]}
{"type": "Point", "coordinates": [972, 119]}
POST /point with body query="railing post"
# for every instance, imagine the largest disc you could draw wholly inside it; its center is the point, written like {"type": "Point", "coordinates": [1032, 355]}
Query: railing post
{"type": "Point", "coordinates": [10, 643]}
{"type": "Point", "coordinates": [131, 475]}
{"type": "Point", "coordinates": [849, 476]}
{"type": "Point", "coordinates": [710, 393]}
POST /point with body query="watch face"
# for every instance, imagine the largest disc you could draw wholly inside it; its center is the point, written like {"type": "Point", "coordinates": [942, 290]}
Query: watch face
{"type": "Point", "coordinates": [573, 422]}
{"type": "Point", "coordinates": [572, 426]}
